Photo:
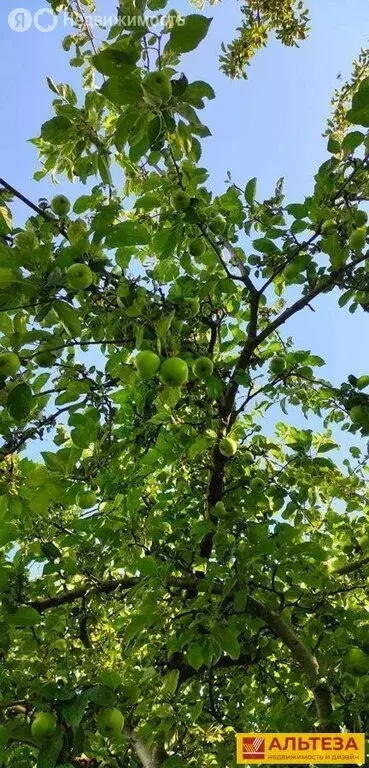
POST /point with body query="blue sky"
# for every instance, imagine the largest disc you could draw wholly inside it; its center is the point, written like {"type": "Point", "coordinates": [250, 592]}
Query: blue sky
{"type": "Point", "coordinates": [269, 126]}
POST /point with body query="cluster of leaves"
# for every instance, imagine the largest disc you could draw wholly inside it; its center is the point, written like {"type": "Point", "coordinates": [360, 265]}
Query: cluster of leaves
{"type": "Point", "coordinates": [199, 590]}
{"type": "Point", "coordinates": [338, 124]}
{"type": "Point", "coordinates": [288, 20]}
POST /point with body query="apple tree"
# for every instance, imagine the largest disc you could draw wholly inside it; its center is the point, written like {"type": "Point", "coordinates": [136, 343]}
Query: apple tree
{"type": "Point", "coordinates": [174, 570]}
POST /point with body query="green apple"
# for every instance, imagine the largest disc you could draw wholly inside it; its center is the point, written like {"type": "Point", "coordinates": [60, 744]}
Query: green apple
{"type": "Point", "coordinates": [357, 239]}
{"type": "Point", "coordinates": [43, 726]}
{"type": "Point", "coordinates": [220, 509]}
{"type": "Point", "coordinates": [26, 241]}
{"type": "Point", "coordinates": [192, 306]}
{"type": "Point", "coordinates": [79, 276]}
{"type": "Point", "coordinates": [9, 364]}
{"type": "Point", "coordinates": [359, 414]}
{"type": "Point", "coordinates": [147, 364]}
{"type": "Point", "coordinates": [361, 218]}
{"type": "Point", "coordinates": [196, 247]}
{"type": "Point", "coordinates": [174, 372]}
{"type": "Point", "coordinates": [110, 723]}
{"type": "Point", "coordinates": [217, 224]}
{"type": "Point", "coordinates": [328, 227]}
{"type": "Point", "coordinates": [357, 661]}
{"type": "Point", "coordinates": [180, 200]}
{"type": "Point", "coordinates": [76, 231]}
{"type": "Point", "coordinates": [60, 205]}
{"type": "Point", "coordinates": [86, 499]}
{"type": "Point", "coordinates": [203, 368]}
{"type": "Point", "coordinates": [157, 88]}
{"type": "Point", "coordinates": [7, 277]}
{"type": "Point", "coordinates": [228, 447]}
{"type": "Point", "coordinates": [257, 484]}
{"type": "Point", "coordinates": [277, 365]}
{"type": "Point", "coordinates": [45, 358]}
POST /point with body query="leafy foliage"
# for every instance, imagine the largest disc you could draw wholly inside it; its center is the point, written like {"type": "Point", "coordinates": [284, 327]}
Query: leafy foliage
{"type": "Point", "coordinates": [287, 19]}
{"type": "Point", "coordinates": [161, 554]}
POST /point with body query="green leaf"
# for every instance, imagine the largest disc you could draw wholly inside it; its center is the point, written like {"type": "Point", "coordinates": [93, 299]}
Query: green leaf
{"type": "Point", "coordinates": [359, 114]}
{"type": "Point", "coordinates": [352, 141]}
{"type": "Point", "coordinates": [170, 682]}
{"type": "Point", "coordinates": [250, 191]}
{"type": "Point", "coordinates": [156, 5]}
{"type": "Point", "coordinates": [187, 36]}
{"type": "Point", "coordinates": [73, 711]}
{"type": "Point", "coordinates": [200, 445]}
{"type": "Point", "coordinates": [25, 616]}
{"type": "Point", "coordinates": [128, 233]}
{"type": "Point", "coordinates": [102, 696]}
{"type": "Point", "coordinates": [122, 90]}
{"type": "Point", "coordinates": [82, 204]}
{"type": "Point", "coordinates": [297, 210]}
{"type": "Point", "coordinates": [264, 245]}
{"type": "Point", "coordinates": [119, 60]}
{"type": "Point", "coordinates": [49, 752]}
{"type": "Point", "coordinates": [56, 130]}
{"type": "Point", "coordinates": [20, 401]}
{"type": "Point", "coordinates": [228, 641]}
{"type": "Point", "coordinates": [333, 146]}
{"type": "Point", "coordinates": [194, 656]}
{"type": "Point", "coordinates": [197, 91]}
{"type": "Point", "coordinates": [69, 318]}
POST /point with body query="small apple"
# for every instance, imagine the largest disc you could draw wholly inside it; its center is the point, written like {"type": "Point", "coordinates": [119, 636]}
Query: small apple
{"type": "Point", "coordinates": [157, 88]}
{"type": "Point", "coordinates": [361, 218]}
{"type": "Point", "coordinates": [79, 276]}
{"type": "Point", "coordinates": [76, 231]}
{"type": "Point", "coordinates": [180, 200]}
{"type": "Point", "coordinates": [359, 414]}
{"type": "Point", "coordinates": [60, 205]}
{"type": "Point", "coordinates": [196, 247]}
{"type": "Point", "coordinates": [257, 484]}
{"type": "Point", "coordinates": [147, 364]}
{"type": "Point", "coordinates": [357, 661]}
{"type": "Point", "coordinates": [43, 726]}
{"type": "Point", "coordinates": [86, 499]}
{"type": "Point", "coordinates": [26, 241]}
{"type": "Point", "coordinates": [174, 372]}
{"type": "Point", "coordinates": [328, 227]}
{"type": "Point", "coordinates": [110, 723]}
{"type": "Point", "coordinates": [7, 277]}
{"type": "Point", "coordinates": [220, 509]}
{"type": "Point", "coordinates": [9, 364]}
{"type": "Point", "coordinates": [357, 239]}
{"type": "Point", "coordinates": [203, 368]}
{"type": "Point", "coordinates": [192, 306]}
{"type": "Point", "coordinates": [217, 224]}
{"type": "Point", "coordinates": [277, 365]}
{"type": "Point", "coordinates": [228, 447]}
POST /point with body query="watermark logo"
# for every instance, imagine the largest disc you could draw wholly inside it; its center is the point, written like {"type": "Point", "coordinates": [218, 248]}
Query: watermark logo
{"type": "Point", "coordinates": [20, 20]}
{"type": "Point", "coordinates": [301, 748]}
{"type": "Point", "coordinates": [45, 20]}
{"type": "Point", "coordinates": [253, 748]}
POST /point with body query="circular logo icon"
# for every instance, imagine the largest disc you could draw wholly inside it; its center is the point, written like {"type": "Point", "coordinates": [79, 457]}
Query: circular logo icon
{"type": "Point", "coordinates": [20, 20]}
{"type": "Point", "coordinates": [45, 20]}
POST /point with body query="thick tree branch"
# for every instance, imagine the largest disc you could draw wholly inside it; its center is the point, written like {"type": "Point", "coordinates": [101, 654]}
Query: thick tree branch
{"type": "Point", "coordinates": [301, 654]}
{"type": "Point", "coordinates": [299, 651]}
{"type": "Point", "coordinates": [36, 208]}
{"type": "Point", "coordinates": [147, 758]}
